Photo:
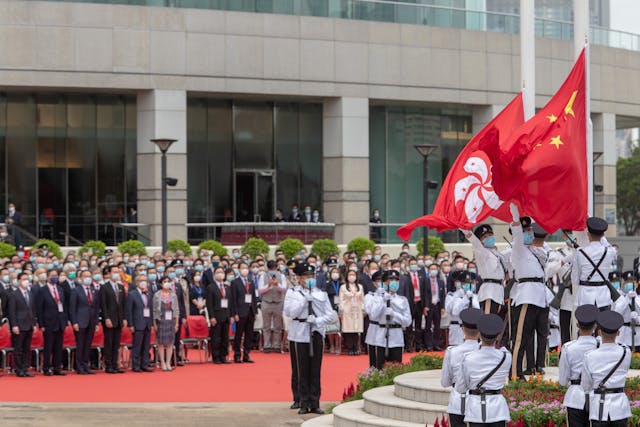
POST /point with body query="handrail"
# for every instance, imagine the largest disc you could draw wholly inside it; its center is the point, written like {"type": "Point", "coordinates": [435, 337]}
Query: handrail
{"type": "Point", "coordinates": [68, 237]}
{"type": "Point", "coordinates": [260, 224]}
{"type": "Point", "coordinates": [131, 227]}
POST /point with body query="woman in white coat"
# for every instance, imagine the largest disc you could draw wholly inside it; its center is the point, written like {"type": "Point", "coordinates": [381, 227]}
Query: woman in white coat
{"type": "Point", "coordinates": [351, 305]}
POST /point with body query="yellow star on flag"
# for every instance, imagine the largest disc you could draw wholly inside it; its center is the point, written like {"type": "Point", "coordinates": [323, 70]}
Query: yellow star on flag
{"type": "Point", "coordinates": [552, 118]}
{"type": "Point", "coordinates": [556, 142]}
{"type": "Point", "coordinates": [568, 110]}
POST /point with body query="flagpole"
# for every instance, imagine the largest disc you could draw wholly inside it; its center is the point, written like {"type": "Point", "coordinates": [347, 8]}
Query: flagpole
{"type": "Point", "coordinates": [528, 57]}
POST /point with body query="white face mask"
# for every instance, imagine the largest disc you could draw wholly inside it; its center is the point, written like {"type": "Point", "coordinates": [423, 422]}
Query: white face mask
{"type": "Point", "coordinates": [459, 265]}
{"type": "Point", "coordinates": [244, 272]}
{"type": "Point", "coordinates": [166, 285]}
{"type": "Point", "coordinates": [24, 284]}
{"type": "Point", "coordinates": [115, 277]}
{"type": "Point", "coordinates": [219, 277]}
{"type": "Point", "coordinates": [197, 278]}
{"type": "Point", "coordinates": [335, 276]}
{"type": "Point", "coordinates": [351, 278]}
{"type": "Point", "coordinates": [42, 277]}
{"type": "Point", "coordinates": [143, 285]}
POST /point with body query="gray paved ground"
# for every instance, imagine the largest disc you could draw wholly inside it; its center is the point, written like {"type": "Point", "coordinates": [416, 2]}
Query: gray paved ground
{"type": "Point", "coordinates": [151, 414]}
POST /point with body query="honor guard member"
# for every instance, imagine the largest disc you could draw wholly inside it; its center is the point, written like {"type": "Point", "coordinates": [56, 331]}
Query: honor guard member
{"type": "Point", "coordinates": [483, 375]}
{"type": "Point", "coordinates": [570, 366]}
{"type": "Point", "coordinates": [629, 306]}
{"type": "Point", "coordinates": [491, 268]}
{"type": "Point", "coordinates": [452, 364]}
{"type": "Point", "coordinates": [392, 313]}
{"type": "Point", "coordinates": [310, 310]}
{"type": "Point", "coordinates": [591, 267]}
{"type": "Point", "coordinates": [529, 293]}
{"type": "Point", "coordinates": [293, 286]}
{"type": "Point", "coordinates": [604, 373]}
{"type": "Point", "coordinates": [563, 279]}
{"type": "Point", "coordinates": [371, 300]}
{"type": "Point", "coordinates": [457, 301]}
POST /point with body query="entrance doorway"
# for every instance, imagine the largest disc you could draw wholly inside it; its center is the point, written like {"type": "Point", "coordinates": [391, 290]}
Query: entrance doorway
{"type": "Point", "coordinates": [254, 195]}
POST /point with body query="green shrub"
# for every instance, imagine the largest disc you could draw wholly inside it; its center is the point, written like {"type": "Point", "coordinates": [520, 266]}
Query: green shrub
{"type": "Point", "coordinates": [290, 247]}
{"type": "Point", "coordinates": [53, 246]}
{"type": "Point", "coordinates": [7, 250]}
{"type": "Point", "coordinates": [325, 247]}
{"type": "Point", "coordinates": [213, 246]}
{"type": "Point", "coordinates": [95, 247]}
{"type": "Point", "coordinates": [361, 244]}
{"type": "Point", "coordinates": [435, 246]}
{"type": "Point", "coordinates": [179, 245]}
{"type": "Point", "coordinates": [255, 246]}
{"type": "Point", "coordinates": [132, 247]}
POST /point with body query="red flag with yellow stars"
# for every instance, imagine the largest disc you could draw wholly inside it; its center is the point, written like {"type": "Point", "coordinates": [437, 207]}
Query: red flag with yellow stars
{"type": "Point", "coordinates": [542, 165]}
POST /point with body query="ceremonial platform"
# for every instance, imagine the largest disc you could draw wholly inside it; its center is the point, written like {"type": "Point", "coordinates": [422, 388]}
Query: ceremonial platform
{"type": "Point", "coordinates": [414, 400]}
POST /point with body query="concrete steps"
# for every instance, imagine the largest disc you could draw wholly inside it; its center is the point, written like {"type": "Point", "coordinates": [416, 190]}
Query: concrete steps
{"type": "Point", "coordinates": [383, 402]}
{"type": "Point", "coordinates": [422, 386]}
{"type": "Point", "coordinates": [352, 414]}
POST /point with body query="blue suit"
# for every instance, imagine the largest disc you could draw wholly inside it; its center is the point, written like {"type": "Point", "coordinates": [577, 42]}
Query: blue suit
{"type": "Point", "coordinates": [85, 315]}
{"type": "Point", "coordinates": [136, 311]}
{"type": "Point", "coordinates": [54, 321]}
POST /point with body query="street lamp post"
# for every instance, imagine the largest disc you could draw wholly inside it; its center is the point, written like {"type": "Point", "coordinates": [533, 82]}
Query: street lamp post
{"type": "Point", "coordinates": [163, 145]}
{"type": "Point", "coordinates": [425, 151]}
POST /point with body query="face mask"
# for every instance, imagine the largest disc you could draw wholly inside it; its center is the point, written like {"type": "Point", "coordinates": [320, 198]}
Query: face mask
{"type": "Point", "coordinates": [467, 287]}
{"type": "Point", "coordinates": [199, 267]}
{"type": "Point", "coordinates": [21, 254]}
{"type": "Point", "coordinates": [72, 275]}
{"type": "Point", "coordinates": [231, 278]}
{"type": "Point", "coordinates": [433, 273]}
{"type": "Point", "coordinates": [428, 262]}
{"type": "Point", "coordinates": [394, 285]}
{"type": "Point", "coordinates": [86, 281]}
{"type": "Point", "coordinates": [255, 271]}
{"type": "Point", "coordinates": [458, 285]}
{"type": "Point", "coordinates": [335, 276]}
{"type": "Point", "coordinates": [214, 264]}
{"type": "Point", "coordinates": [380, 285]}
{"type": "Point", "coordinates": [115, 277]}
{"type": "Point", "coordinates": [166, 285]}
{"type": "Point", "coordinates": [310, 282]}
{"type": "Point", "coordinates": [446, 269]}
{"type": "Point", "coordinates": [316, 216]}
{"type": "Point", "coordinates": [282, 268]}
{"type": "Point", "coordinates": [459, 265]}
{"type": "Point", "coordinates": [171, 275]}
{"type": "Point", "coordinates": [528, 238]}
{"type": "Point", "coordinates": [4, 234]}
{"type": "Point", "coordinates": [236, 255]}
{"type": "Point", "coordinates": [14, 283]}
{"type": "Point", "coordinates": [5, 278]}
{"type": "Point", "coordinates": [294, 210]}
{"type": "Point", "coordinates": [307, 212]}
{"type": "Point", "coordinates": [376, 215]}
{"type": "Point", "coordinates": [197, 279]}
{"type": "Point", "coordinates": [351, 278]}
{"type": "Point", "coordinates": [244, 272]}
{"type": "Point", "coordinates": [97, 277]}
{"type": "Point", "coordinates": [414, 267]}
{"type": "Point", "coordinates": [42, 277]}
{"type": "Point", "coordinates": [160, 269]}
{"type": "Point", "coordinates": [489, 242]}
{"type": "Point", "coordinates": [40, 265]}
{"type": "Point", "coordinates": [376, 258]}
{"type": "Point", "coordinates": [153, 276]}
{"type": "Point", "coordinates": [236, 271]}
{"type": "Point", "coordinates": [53, 280]}
{"type": "Point", "coordinates": [219, 277]}
{"type": "Point", "coordinates": [372, 272]}
{"type": "Point", "coordinates": [628, 287]}
{"type": "Point", "coordinates": [152, 265]}
{"type": "Point", "coordinates": [25, 284]}
{"type": "Point", "coordinates": [179, 272]}
{"type": "Point", "coordinates": [143, 285]}
{"type": "Point", "coordinates": [473, 270]}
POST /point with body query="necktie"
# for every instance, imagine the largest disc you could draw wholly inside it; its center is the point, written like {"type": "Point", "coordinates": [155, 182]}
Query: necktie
{"type": "Point", "coordinates": [115, 291]}
{"type": "Point", "coordinates": [222, 290]}
{"type": "Point", "coordinates": [55, 295]}
{"type": "Point", "coordinates": [434, 292]}
{"type": "Point", "coordinates": [416, 287]}
{"type": "Point", "coordinates": [26, 297]}
{"type": "Point", "coordinates": [144, 298]}
{"type": "Point", "coordinates": [89, 296]}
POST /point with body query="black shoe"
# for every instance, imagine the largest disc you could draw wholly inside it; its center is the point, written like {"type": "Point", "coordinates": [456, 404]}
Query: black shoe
{"type": "Point", "coordinates": [295, 405]}
{"type": "Point", "coordinates": [137, 370]}
{"type": "Point", "coordinates": [540, 371]}
{"type": "Point", "coordinates": [303, 411]}
{"type": "Point", "coordinates": [217, 361]}
{"type": "Point", "coordinates": [237, 360]}
{"type": "Point", "coordinates": [88, 372]}
{"type": "Point", "coordinates": [59, 373]}
{"type": "Point", "coordinates": [20, 374]}
{"type": "Point", "coordinates": [528, 372]}
{"type": "Point", "coordinates": [437, 348]}
{"type": "Point", "coordinates": [180, 363]}
{"type": "Point", "coordinates": [81, 373]}
{"type": "Point", "coordinates": [146, 370]}
{"type": "Point", "coordinates": [266, 350]}
{"type": "Point", "coordinates": [316, 411]}
{"type": "Point", "coordinates": [28, 374]}
{"type": "Point", "coordinates": [429, 349]}
{"type": "Point", "coordinates": [225, 362]}
{"type": "Point", "coordinates": [247, 360]}
{"type": "Point", "coordinates": [119, 371]}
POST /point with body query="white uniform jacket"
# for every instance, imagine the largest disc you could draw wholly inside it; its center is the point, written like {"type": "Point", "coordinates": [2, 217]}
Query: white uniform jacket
{"type": "Point", "coordinates": [581, 270]}
{"type": "Point", "coordinates": [570, 369]}
{"type": "Point", "coordinates": [401, 316]}
{"type": "Point", "coordinates": [454, 304]}
{"type": "Point", "coordinates": [528, 262]}
{"type": "Point", "coordinates": [296, 306]}
{"type": "Point", "coordinates": [451, 364]}
{"type": "Point", "coordinates": [491, 266]}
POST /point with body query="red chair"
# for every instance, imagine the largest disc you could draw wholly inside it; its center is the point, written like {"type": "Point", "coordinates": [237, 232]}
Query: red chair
{"type": "Point", "coordinates": [6, 346]}
{"type": "Point", "coordinates": [69, 344]}
{"type": "Point", "coordinates": [198, 334]}
{"type": "Point", "coordinates": [126, 342]}
{"type": "Point", "coordinates": [37, 345]}
{"type": "Point", "coordinates": [98, 343]}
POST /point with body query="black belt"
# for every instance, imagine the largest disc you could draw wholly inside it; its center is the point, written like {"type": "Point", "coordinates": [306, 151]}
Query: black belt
{"type": "Point", "coordinates": [609, 390]}
{"type": "Point", "coordinates": [390, 326]}
{"type": "Point", "coordinates": [626, 324]}
{"type": "Point", "coordinates": [297, 319]}
{"type": "Point", "coordinates": [273, 302]}
{"type": "Point", "coordinates": [583, 283]}
{"type": "Point", "coordinates": [576, 382]}
{"type": "Point", "coordinates": [373, 322]}
{"type": "Point", "coordinates": [454, 322]}
{"type": "Point", "coordinates": [554, 327]}
{"type": "Point", "coordinates": [485, 392]}
{"type": "Point", "coordinates": [498, 281]}
{"type": "Point", "coordinates": [531, 279]}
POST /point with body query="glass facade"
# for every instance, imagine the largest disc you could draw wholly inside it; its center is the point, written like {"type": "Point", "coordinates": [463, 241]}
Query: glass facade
{"type": "Point", "coordinates": [396, 168]}
{"type": "Point", "coordinates": [245, 159]}
{"type": "Point", "coordinates": [69, 163]}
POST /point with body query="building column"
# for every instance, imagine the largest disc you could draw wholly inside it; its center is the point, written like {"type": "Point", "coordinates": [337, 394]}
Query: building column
{"type": "Point", "coordinates": [345, 166]}
{"type": "Point", "coordinates": [604, 168]}
{"type": "Point", "coordinates": [162, 114]}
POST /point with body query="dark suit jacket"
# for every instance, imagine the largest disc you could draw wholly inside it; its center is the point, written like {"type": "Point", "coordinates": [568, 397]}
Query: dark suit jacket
{"type": "Point", "coordinates": [295, 218]}
{"type": "Point", "coordinates": [20, 314]}
{"type": "Point", "coordinates": [16, 218]}
{"type": "Point", "coordinates": [112, 308]}
{"type": "Point", "coordinates": [442, 293]}
{"type": "Point", "coordinates": [66, 288]}
{"type": "Point", "coordinates": [367, 283]}
{"type": "Point", "coordinates": [406, 289]}
{"type": "Point", "coordinates": [80, 312]}
{"type": "Point", "coordinates": [213, 297]}
{"type": "Point", "coordinates": [207, 278]}
{"type": "Point", "coordinates": [237, 305]}
{"type": "Point", "coordinates": [47, 310]}
{"type": "Point", "coordinates": [135, 310]}
{"type": "Point", "coordinates": [5, 297]}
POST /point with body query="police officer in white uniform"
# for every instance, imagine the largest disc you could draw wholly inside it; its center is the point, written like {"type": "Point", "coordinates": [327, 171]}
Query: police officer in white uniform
{"type": "Point", "coordinates": [604, 374]}
{"type": "Point", "coordinates": [310, 311]}
{"type": "Point", "coordinates": [463, 297]}
{"type": "Point", "coordinates": [492, 268]}
{"type": "Point", "coordinates": [452, 364]}
{"type": "Point", "coordinates": [371, 300]}
{"type": "Point", "coordinates": [392, 313]}
{"type": "Point", "coordinates": [591, 267]}
{"type": "Point", "coordinates": [629, 306]}
{"type": "Point", "coordinates": [483, 375]}
{"type": "Point", "coordinates": [570, 366]}
{"type": "Point", "coordinates": [563, 280]}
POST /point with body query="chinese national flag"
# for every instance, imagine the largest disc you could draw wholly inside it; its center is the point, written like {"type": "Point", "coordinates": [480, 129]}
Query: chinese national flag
{"type": "Point", "coordinates": [542, 166]}
{"type": "Point", "coordinates": [467, 197]}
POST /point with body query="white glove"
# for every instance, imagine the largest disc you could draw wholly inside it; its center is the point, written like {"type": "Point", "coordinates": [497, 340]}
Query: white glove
{"type": "Point", "coordinates": [311, 319]}
{"type": "Point", "coordinates": [388, 311]}
{"type": "Point", "coordinates": [515, 213]}
{"type": "Point", "coordinates": [632, 294]}
{"type": "Point", "coordinates": [469, 294]}
{"type": "Point", "coordinates": [309, 297]}
{"type": "Point", "coordinates": [467, 233]}
{"type": "Point", "coordinates": [380, 291]}
{"type": "Point", "coordinates": [387, 297]}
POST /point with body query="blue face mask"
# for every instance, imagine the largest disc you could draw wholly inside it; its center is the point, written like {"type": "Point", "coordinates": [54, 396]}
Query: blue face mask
{"type": "Point", "coordinates": [153, 276]}
{"type": "Point", "coordinates": [5, 278]}
{"type": "Point", "coordinates": [628, 287]}
{"type": "Point", "coordinates": [414, 267]}
{"type": "Point", "coordinates": [199, 267]}
{"type": "Point", "coordinates": [473, 270]}
{"type": "Point", "coordinates": [467, 287]}
{"type": "Point", "coordinates": [528, 238]}
{"type": "Point", "coordinates": [236, 271]}
{"type": "Point", "coordinates": [53, 280]}
{"type": "Point", "coordinates": [394, 285]}
{"type": "Point", "coordinates": [215, 264]}
{"type": "Point", "coordinates": [97, 277]}
{"type": "Point", "coordinates": [310, 282]}
{"type": "Point", "coordinates": [616, 285]}
{"type": "Point", "coordinates": [231, 278]}
{"type": "Point", "coordinates": [172, 275]}
{"type": "Point", "coordinates": [458, 285]}
{"type": "Point", "coordinates": [179, 271]}
{"type": "Point", "coordinates": [489, 242]}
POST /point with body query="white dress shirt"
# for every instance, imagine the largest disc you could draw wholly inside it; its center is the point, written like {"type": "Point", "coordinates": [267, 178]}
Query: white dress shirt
{"type": "Point", "coordinates": [582, 269]}
{"type": "Point", "coordinates": [491, 265]}
{"type": "Point", "coordinates": [401, 315]}
{"type": "Point", "coordinates": [451, 364]}
{"type": "Point", "coordinates": [570, 368]}
{"type": "Point", "coordinates": [526, 260]}
{"type": "Point", "coordinates": [296, 306]}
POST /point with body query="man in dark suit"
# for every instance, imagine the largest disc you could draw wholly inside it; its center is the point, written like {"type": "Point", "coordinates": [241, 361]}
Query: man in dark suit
{"type": "Point", "coordinates": [295, 214]}
{"type": "Point", "coordinates": [22, 315]}
{"type": "Point", "coordinates": [321, 276]}
{"type": "Point", "coordinates": [218, 295]}
{"type": "Point", "coordinates": [243, 309]}
{"type": "Point", "coordinates": [433, 302]}
{"type": "Point", "coordinates": [413, 287]}
{"type": "Point", "coordinates": [52, 319]}
{"type": "Point", "coordinates": [14, 217]}
{"type": "Point", "coordinates": [84, 310]}
{"type": "Point", "coordinates": [113, 304]}
{"type": "Point", "coordinates": [180, 288]}
{"type": "Point", "coordinates": [140, 320]}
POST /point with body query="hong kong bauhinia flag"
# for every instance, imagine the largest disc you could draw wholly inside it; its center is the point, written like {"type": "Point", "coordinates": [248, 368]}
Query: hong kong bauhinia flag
{"type": "Point", "coordinates": [542, 166]}
{"type": "Point", "coordinates": [467, 197]}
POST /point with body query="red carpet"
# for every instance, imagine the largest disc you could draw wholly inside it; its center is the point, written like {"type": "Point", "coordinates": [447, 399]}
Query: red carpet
{"type": "Point", "coordinates": [267, 380]}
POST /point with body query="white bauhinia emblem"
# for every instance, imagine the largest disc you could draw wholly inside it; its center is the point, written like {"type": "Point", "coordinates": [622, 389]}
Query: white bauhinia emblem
{"type": "Point", "coordinates": [476, 189]}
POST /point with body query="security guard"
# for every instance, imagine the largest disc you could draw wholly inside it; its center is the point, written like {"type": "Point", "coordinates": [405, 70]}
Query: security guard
{"type": "Point", "coordinates": [530, 314]}
{"type": "Point", "coordinates": [604, 374]}
{"type": "Point", "coordinates": [392, 312]}
{"type": "Point", "coordinates": [629, 306]}
{"type": "Point", "coordinates": [452, 364]}
{"type": "Point", "coordinates": [484, 372]}
{"type": "Point", "coordinates": [373, 299]}
{"type": "Point", "coordinates": [591, 267]}
{"type": "Point", "coordinates": [570, 366]}
{"type": "Point", "coordinates": [462, 298]}
{"type": "Point", "coordinates": [492, 268]}
{"type": "Point", "coordinates": [310, 311]}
